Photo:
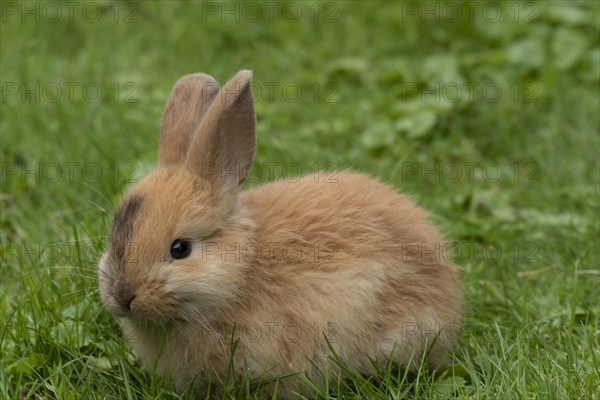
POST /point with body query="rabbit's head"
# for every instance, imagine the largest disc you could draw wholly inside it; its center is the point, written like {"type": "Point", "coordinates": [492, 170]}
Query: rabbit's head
{"type": "Point", "coordinates": [169, 253]}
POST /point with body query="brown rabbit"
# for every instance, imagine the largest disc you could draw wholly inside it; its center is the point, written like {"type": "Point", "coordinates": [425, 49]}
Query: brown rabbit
{"type": "Point", "coordinates": [197, 269]}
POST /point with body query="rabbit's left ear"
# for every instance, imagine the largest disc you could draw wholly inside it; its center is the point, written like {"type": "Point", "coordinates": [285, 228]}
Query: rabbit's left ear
{"type": "Point", "coordinates": [190, 99]}
{"type": "Point", "coordinates": [222, 149]}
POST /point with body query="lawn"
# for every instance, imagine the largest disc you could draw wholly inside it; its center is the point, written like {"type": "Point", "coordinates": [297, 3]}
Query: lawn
{"type": "Point", "coordinates": [486, 113]}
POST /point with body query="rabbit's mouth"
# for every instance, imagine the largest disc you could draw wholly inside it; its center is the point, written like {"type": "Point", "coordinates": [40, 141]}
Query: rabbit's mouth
{"type": "Point", "coordinates": [149, 301]}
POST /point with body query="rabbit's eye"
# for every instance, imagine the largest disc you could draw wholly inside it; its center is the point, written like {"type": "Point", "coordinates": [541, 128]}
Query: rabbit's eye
{"type": "Point", "coordinates": [180, 249]}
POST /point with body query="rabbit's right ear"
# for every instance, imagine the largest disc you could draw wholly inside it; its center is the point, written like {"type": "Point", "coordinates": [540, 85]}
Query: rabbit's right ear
{"type": "Point", "coordinates": [190, 98]}
{"type": "Point", "coordinates": [222, 150]}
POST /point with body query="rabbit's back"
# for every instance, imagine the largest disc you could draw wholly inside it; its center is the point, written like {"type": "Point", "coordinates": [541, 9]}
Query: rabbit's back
{"type": "Point", "coordinates": [351, 214]}
{"type": "Point", "coordinates": [351, 259]}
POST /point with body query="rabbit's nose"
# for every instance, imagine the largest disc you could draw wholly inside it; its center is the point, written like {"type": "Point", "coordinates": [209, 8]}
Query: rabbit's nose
{"type": "Point", "coordinates": [124, 294]}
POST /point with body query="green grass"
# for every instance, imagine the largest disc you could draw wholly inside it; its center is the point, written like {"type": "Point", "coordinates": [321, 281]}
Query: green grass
{"type": "Point", "coordinates": [524, 214]}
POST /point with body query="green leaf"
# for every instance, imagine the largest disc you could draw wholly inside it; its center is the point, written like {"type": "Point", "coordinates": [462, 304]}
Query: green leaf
{"type": "Point", "coordinates": [27, 364]}
{"type": "Point", "coordinates": [568, 14]}
{"type": "Point", "coordinates": [448, 386]}
{"type": "Point", "coordinates": [378, 135]}
{"type": "Point", "coordinates": [102, 362]}
{"type": "Point", "coordinates": [528, 52]}
{"type": "Point", "coordinates": [568, 47]}
{"type": "Point", "coordinates": [70, 312]}
{"type": "Point", "coordinates": [417, 125]}
{"type": "Point", "coordinates": [442, 69]}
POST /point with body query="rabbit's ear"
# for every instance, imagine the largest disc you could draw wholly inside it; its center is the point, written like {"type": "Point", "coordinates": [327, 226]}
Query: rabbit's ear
{"type": "Point", "coordinates": [190, 99]}
{"type": "Point", "coordinates": [222, 150]}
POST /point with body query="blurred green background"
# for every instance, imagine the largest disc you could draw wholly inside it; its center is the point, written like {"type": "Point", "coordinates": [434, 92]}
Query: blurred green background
{"type": "Point", "coordinates": [486, 112]}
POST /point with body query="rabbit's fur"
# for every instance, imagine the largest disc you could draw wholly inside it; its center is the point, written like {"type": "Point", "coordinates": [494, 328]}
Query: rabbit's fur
{"type": "Point", "coordinates": [280, 267]}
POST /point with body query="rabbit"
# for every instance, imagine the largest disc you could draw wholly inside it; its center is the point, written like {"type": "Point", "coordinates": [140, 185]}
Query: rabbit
{"type": "Point", "coordinates": [275, 281]}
